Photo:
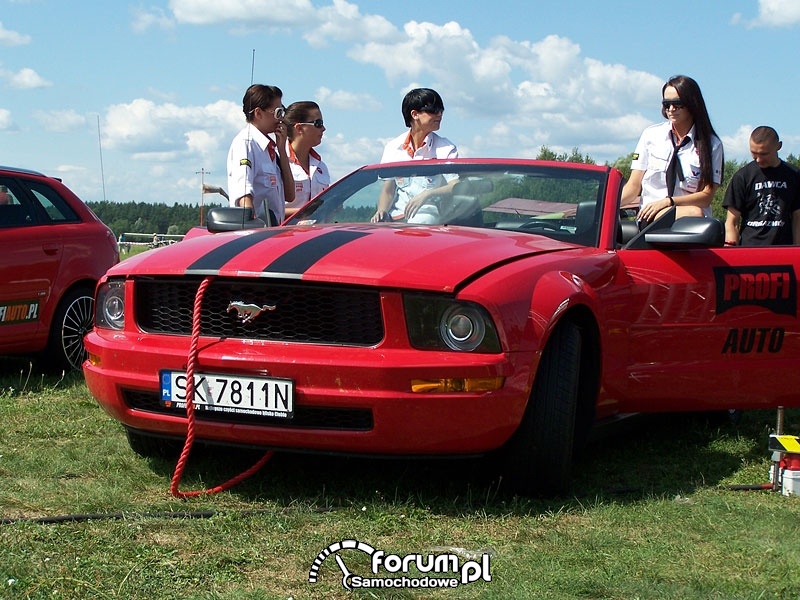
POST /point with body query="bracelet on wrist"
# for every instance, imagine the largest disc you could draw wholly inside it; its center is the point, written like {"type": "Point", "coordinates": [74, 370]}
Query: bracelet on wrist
{"type": "Point", "coordinates": [671, 201]}
{"type": "Point", "coordinates": [730, 243]}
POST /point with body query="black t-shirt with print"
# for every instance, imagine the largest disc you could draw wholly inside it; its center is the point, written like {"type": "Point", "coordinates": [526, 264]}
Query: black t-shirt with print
{"type": "Point", "coordinates": [766, 198]}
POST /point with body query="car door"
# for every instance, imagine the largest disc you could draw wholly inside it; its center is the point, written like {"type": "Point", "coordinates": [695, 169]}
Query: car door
{"type": "Point", "coordinates": [30, 258]}
{"type": "Point", "coordinates": [708, 328]}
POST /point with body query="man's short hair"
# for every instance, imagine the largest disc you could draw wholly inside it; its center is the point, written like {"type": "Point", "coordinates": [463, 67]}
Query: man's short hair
{"type": "Point", "coordinates": [763, 134]}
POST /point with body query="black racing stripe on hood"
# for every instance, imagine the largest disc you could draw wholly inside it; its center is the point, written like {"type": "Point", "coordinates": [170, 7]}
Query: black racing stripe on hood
{"type": "Point", "coordinates": [301, 258]}
{"type": "Point", "coordinates": [214, 260]}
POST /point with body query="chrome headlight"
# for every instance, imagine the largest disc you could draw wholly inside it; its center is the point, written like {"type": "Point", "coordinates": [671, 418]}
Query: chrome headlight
{"type": "Point", "coordinates": [462, 328]}
{"type": "Point", "coordinates": [436, 323]}
{"type": "Point", "coordinates": [109, 309]}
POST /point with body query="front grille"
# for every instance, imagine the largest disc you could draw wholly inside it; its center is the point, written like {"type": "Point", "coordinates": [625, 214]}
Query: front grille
{"type": "Point", "coordinates": [305, 313]}
{"type": "Point", "coordinates": [308, 417]}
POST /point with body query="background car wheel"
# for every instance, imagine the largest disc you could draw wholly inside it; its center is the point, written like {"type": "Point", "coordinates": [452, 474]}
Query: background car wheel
{"type": "Point", "coordinates": [539, 455]}
{"type": "Point", "coordinates": [150, 446]}
{"type": "Point", "coordinates": [72, 320]}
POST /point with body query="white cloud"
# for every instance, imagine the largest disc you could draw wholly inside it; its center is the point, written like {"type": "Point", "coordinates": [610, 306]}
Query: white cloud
{"type": "Point", "coordinates": [738, 144]}
{"type": "Point", "coordinates": [144, 20]}
{"type": "Point", "coordinates": [165, 132]}
{"type": "Point", "coordinates": [70, 169]}
{"type": "Point", "coordinates": [351, 153]}
{"type": "Point", "coordinates": [24, 79]}
{"type": "Point", "coordinates": [12, 38]}
{"type": "Point", "coordinates": [554, 58]}
{"type": "Point", "coordinates": [343, 22]}
{"type": "Point", "coordinates": [249, 12]}
{"type": "Point", "coordinates": [772, 13]}
{"type": "Point", "coordinates": [60, 121]}
{"type": "Point", "coordinates": [344, 100]}
{"type": "Point", "coordinates": [6, 124]}
{"type": "Point", "coordinates": [201, 142]}
{"type": "Point", "coordinates": [339, 21]}
{"type": "Point", "coordinates": [425, 48]}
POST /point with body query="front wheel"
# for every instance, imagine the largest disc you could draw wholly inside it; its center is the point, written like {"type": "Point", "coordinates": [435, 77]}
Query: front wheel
{"type": "Point", "coordinates": [72, 320]}
{"type": "Point", "coordinates": [539, 454]}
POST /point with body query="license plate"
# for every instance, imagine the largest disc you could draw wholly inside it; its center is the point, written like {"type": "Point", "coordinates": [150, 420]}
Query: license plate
{"type": "Point", "coordinates": [262, 396]}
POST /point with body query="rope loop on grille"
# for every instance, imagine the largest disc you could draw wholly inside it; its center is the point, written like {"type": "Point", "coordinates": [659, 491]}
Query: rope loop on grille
{"type": "Point", "coordinates": [191, 368]}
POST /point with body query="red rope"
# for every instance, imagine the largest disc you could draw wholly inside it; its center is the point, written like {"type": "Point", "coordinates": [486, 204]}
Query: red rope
{"type": "Point", "coordinates": [187, 447]}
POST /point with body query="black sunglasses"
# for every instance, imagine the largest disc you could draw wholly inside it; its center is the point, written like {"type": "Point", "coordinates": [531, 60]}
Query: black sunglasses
{"type": "Point", "coordinates": [678, 104]}
{"type": "Point", "coordinates": [432, 109]}
{"type": "Point", "coordinates": [316, 123]}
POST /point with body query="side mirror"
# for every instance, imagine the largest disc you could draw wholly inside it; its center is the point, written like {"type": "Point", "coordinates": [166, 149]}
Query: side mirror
{"type": "Point", "coordinates": [230, 218]}
{"type": "Point", "coordinates": [689, 232]}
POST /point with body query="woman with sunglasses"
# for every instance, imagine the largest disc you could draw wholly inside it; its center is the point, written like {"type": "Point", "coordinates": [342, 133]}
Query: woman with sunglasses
{"type": "Point", "coordinates": [259, 175]}
{"type": "Point", "coordinates": [423, 109]}
{"type": "Point", "coordinates": [679, 162]}
{"type": "Point", "coordinates": [304, 129]}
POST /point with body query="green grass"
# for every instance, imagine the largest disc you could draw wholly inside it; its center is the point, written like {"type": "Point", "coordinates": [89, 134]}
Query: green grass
{"type": "Point", "coordinates": [650, 517]}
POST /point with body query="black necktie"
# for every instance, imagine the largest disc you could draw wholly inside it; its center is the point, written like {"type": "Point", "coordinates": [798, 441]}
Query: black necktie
{"type": "Point", "coordinates": [674, 166]}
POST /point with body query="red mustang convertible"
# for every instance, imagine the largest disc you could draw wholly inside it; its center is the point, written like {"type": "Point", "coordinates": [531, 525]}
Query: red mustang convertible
{"type": "Point", "coordinates": [504, 305]}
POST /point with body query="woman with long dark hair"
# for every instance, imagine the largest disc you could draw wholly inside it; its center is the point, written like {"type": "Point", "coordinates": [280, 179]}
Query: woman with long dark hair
{"type": "Point", "coordinates": [679, 162]}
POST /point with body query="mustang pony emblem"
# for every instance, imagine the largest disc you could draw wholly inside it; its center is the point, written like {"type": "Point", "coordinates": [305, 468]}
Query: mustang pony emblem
{"type": "Point", "coordinates": [248, 312]}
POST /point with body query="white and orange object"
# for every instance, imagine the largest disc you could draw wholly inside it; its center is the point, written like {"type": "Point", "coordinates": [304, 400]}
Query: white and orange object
{"type": "Point", "coordinates": [789, 465]}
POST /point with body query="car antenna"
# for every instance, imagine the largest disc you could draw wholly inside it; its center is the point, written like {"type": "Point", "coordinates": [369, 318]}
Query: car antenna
{"type": "Point", "coordinates": [252, 66]}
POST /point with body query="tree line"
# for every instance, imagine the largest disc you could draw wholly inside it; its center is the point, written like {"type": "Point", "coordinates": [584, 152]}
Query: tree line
{"type": "Point", "coordinates": [146, 218]}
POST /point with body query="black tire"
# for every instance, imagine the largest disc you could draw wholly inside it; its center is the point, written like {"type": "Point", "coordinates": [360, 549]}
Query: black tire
{"type": "Point", "coordinates": [73, 319]}
{"type": "Point", "coordinates": [150, 446]}
{"type": "Point", "coordinates": [538, 460]}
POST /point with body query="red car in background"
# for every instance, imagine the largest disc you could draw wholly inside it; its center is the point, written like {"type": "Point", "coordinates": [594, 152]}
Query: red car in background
{"type": "Point", "coordinates": [526, 309]}
{"type": "Point", "coordinates": [53, 250]}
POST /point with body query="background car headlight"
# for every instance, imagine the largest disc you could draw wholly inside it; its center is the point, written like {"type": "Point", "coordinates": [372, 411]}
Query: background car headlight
{"type": "Point", "coordinates": [436, 323]}
{"type": "Point", "coordinates": [110, 305]}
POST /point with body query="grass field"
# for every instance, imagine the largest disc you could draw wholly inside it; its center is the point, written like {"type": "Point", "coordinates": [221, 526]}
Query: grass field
{"type": "Point", "coordinates": [650, 517]}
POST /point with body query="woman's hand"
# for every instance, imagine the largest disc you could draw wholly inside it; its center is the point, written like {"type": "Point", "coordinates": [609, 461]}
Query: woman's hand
{"type": "Point", "coordinates": [280, 136]}
{"type": "Point", "coordinates": [650, 211]}
{"type": "Point", "coordinates": [379, 217]}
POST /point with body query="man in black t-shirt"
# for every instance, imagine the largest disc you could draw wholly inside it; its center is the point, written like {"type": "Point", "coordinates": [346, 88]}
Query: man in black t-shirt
{"type": "Point", "coordinates": [763, 197]}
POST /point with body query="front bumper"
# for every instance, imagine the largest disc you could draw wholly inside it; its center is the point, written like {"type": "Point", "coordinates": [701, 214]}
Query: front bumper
{"type": "Point", "coordinates": [348, 400]}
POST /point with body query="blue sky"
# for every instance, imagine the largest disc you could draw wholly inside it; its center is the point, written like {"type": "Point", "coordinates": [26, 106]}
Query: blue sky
{"type": "Point", "coordinates": [154, 89]}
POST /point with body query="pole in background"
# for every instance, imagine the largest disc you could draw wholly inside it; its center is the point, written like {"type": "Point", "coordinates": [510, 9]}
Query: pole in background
{"type": "Point", "coordinates": [203, 174]}
{"type": "Point", "coordinates": [100, 145]}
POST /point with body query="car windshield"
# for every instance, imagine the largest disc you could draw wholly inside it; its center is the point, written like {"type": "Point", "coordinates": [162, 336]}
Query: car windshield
{"type": "Point", "coordinates": [561, 202]}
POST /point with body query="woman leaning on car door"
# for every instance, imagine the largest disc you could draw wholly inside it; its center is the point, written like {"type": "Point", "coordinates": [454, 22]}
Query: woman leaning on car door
{"type": "Point", "coordinates": [677, 163]}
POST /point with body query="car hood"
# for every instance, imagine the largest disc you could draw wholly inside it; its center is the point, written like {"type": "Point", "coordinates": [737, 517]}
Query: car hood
{"type": "Point", "coordinates": [431, 258]}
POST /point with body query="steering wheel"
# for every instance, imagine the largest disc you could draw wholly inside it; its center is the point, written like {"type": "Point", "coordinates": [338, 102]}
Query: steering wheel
{"type": "Point", "coordinates": [540, 224]}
